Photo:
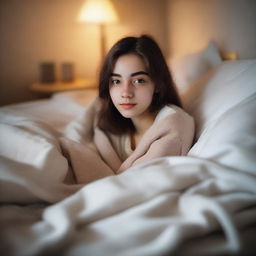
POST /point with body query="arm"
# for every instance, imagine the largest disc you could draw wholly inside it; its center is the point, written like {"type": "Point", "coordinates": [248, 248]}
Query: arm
{"type": "Point", "coordinates": [170, 136]}
{"type": "Point", "coordinates": [164, 146]}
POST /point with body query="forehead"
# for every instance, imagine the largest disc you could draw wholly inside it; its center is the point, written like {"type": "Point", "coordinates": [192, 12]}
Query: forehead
{"type": "Point", "coordinates": [129, 63]}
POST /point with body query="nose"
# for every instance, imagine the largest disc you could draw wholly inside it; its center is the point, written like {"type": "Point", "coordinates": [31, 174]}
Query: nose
{"type": "Point", "coordinates": [127, 90]}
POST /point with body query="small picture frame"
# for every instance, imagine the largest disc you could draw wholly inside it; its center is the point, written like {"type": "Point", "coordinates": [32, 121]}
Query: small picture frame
{"type": "Point", "coordinates": [67, 72]}
{"type": "Point", "coordinates": [47, 72]}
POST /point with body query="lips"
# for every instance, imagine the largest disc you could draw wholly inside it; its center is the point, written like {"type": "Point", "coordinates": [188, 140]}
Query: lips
{"type": "Point", "coordinates": [127, 105]}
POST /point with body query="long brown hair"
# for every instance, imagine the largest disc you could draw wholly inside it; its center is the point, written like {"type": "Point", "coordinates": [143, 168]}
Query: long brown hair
{"type": "Point", "coordinates": [146, 47]}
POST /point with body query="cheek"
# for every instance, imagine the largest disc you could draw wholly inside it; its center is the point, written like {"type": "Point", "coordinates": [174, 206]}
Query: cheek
{"type": "Point", "coordinates": [146, 96]}
{"type": "Point", "coordinates": [113, 95]}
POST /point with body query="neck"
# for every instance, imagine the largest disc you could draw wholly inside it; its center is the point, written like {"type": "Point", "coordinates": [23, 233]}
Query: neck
{"type": "Point", "coordinates": [143, 123]}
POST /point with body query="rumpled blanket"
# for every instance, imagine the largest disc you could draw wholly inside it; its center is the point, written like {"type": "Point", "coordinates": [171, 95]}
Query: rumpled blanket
{"type": "Point", "coordinates": [200, 204]}
{"type": "Point", "coordinates": [89, 148]}
{"type": "Point", "coordinates": [203, 203]}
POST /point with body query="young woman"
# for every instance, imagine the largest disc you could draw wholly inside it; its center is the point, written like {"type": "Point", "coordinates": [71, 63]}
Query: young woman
{"type": "Point", "coordinates": [141, 113]}
{"type": "Point", "coordinates": [136, 118]}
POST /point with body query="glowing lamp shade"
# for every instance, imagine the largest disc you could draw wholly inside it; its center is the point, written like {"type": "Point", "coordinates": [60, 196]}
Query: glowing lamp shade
{"type": "Point", "coordinates": [98, 11]}
{"type": "Point", "coordinates": [101, 12]}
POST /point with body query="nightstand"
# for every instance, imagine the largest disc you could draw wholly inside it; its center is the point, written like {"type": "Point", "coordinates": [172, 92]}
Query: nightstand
{"type": "Point", "coordinates": [49, 88]}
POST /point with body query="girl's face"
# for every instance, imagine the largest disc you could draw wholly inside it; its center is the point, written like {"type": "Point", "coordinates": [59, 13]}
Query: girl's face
{"type": "Point", "coordinates": [131, 88]}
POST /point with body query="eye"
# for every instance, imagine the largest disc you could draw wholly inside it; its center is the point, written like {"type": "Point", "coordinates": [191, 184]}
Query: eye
{"type": "Point", "coordinates": [139, 81]}
{"type": "Point", "coordinates": [115, 81]}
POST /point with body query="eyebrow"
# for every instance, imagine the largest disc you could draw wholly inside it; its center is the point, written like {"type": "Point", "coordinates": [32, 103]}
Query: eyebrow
{"type": "Point", "coordinates": [133, 74]}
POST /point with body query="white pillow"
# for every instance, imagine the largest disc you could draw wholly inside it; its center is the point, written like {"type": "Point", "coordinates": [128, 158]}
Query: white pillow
{"type": "Point", "coordinates": [223, 88]}
{"type": "Point", "coordinates": [231, 139]}
{"type": "Point", "coordinates": [189, 68]}
{"type": "Point", "coordinates": [225, 116]}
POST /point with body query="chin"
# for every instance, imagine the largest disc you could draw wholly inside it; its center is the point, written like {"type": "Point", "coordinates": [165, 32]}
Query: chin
{"type": "Point", "coordinates": [127, 114]}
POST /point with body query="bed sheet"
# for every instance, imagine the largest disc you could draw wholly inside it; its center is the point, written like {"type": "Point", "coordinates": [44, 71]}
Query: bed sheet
{"type": "Point", "coordinates": [58, 110]}
{"type": "Point", "coordinates": [200, 204]}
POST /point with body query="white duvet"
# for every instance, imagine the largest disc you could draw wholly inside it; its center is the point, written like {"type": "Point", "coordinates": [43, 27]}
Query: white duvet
{"type": "Point", "coordinates": [200, 204]}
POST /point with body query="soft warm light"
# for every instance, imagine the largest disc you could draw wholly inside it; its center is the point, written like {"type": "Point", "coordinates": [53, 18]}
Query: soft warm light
{"type": "Point", "coordinates": [98, 11]}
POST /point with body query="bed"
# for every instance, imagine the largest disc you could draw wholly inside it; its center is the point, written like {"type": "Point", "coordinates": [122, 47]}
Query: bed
{"type": "Point", "coordinates": [203, 203]}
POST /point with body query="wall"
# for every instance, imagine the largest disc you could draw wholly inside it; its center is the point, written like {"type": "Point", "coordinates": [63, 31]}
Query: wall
{"type": "Point", "coordinates": [46, 30]}
{"type": "Point", "coordinates": [231, 23]}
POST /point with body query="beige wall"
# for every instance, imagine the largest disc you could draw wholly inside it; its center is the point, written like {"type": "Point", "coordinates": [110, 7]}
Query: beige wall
{"type": "Point", "coordinates": [32, 31]}
{"type": "Point", "coordinates": [231, 23]}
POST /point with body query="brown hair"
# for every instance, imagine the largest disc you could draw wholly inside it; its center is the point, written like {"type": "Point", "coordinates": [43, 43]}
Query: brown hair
{"type": "Point", "coordinates": [146, 47]}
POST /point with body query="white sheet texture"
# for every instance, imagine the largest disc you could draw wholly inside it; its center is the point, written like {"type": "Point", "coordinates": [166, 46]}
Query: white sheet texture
{"type": "Point", "coordinates": [58, 111]}
{"type": "Point", "coordinates": [158, 208]}
{"type": "Point", "coordinates": [32, 166]}
{"type": "Point", "coordinates": [200, 204]}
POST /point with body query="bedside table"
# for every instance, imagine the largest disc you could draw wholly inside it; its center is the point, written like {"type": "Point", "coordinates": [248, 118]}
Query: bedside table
{"type": "Point", "coordinates": [49, 88]}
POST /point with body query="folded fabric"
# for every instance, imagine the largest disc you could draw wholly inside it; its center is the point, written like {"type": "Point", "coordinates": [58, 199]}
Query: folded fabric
{"type": "Point", "coordinates": [92, 154]}
{"type": "Point", "coordinates": [32, 166]}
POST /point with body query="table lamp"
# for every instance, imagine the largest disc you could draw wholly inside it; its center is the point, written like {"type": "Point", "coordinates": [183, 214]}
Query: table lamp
{"type": "Point", "coordinates": [101, 12]}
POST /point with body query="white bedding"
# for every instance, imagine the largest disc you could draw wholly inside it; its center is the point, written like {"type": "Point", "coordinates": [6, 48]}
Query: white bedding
{"type": "Point", "coordinates": [200, 204]}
